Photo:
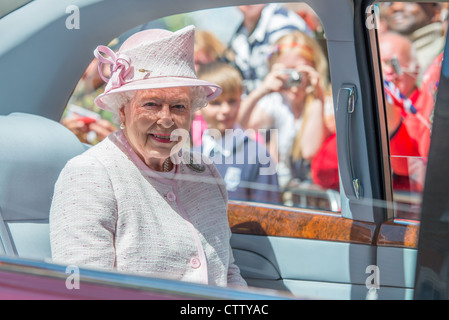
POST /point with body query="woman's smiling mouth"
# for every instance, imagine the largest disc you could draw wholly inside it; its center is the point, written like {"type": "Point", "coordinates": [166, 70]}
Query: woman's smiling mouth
{"type": "Point", "coordinates": [164, 138]}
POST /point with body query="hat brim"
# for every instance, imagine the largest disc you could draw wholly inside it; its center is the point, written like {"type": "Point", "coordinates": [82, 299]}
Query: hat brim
{"type": "Point", "coordinates": [106, 100]}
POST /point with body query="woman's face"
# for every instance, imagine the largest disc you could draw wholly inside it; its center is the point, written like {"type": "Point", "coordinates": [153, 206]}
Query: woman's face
{"type": "Point", "coordinates": [294, 60]}
{"type": "Point", "coordinates": [150, 119]}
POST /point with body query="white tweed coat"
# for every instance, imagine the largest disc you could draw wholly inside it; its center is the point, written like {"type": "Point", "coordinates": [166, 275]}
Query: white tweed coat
{"type": "Point", "coordinates": [110, 211]}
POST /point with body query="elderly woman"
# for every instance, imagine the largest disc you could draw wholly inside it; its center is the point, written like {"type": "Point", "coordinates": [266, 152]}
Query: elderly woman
{"type": "Point", "coordinates": [136, 202]}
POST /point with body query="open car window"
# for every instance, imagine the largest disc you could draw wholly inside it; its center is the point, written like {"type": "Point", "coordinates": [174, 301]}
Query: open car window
{"type": "Point", "coordinates": [293, 161]}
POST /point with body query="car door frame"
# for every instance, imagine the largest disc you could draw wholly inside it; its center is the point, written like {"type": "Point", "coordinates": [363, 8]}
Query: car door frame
{"type": "Point", "coordinates": [432, 268]}
{"type": "Point", "coordinates": [264, 237]}
{"type": "Point", "coordinates": [395, 241]}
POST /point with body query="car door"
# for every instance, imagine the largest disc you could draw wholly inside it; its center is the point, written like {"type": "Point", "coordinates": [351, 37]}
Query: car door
{"type": "Point", "coordinates": [398, 238]}
{"type": "Point", "coordinates": [373, 243]}
{"type": "Point", "coordinates": [314, 252]}
{"type": "Point", "coordinates": [431, 280]}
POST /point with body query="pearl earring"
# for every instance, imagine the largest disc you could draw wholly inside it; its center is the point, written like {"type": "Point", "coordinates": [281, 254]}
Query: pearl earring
{"type": "Point", "coordinates": [122, 126]}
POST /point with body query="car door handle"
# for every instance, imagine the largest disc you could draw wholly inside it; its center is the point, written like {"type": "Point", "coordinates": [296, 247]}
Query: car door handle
{"type": "Point", "coordinates": [346, 102]}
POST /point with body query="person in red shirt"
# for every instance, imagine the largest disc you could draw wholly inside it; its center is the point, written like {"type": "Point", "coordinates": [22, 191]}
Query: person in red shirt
{"type": "Point", "coordinates": [401, 72]}
{"type": "Point", "coordinates": [408, 118]}
{"type": "Point", "coordinates": [424, 102]}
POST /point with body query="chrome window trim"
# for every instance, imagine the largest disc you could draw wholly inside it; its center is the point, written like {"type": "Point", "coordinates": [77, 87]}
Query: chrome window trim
{"type": "Point", "coordinates": [146, 285]}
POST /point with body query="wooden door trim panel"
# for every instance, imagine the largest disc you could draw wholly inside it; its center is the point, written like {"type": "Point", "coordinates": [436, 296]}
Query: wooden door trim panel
{"type": "Point", "coordinates": [399, 233]}
{"type": "Point", "coordinates": [279, 221]}
{"type": "Point", "coordinates": [267, 220]}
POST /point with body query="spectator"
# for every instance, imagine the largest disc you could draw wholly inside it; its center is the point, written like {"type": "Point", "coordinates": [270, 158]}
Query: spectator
{"type": "Point", "coordinates": [88, 122]}
{"type": "Point", "coordinates": [208, 48]}
{"type": "Point", "coordinates": [407, 168]}
{"type": "Point", "coordinates": [262, 26]}
{"type": "Point", "coordinates": [245, 165]}
{"type": "Point", "coordinates": [399, 62]}
{"type": "Point", "coordinates": [308, 15]}
{"type": "Point", "coordinates": [401, 72]}
{"type": "Point", "coordinates": [282, 104]}
{"type": "Point", "coordinates": [420, 23]}
{"type": "Point", "coordinates": [324, 166]}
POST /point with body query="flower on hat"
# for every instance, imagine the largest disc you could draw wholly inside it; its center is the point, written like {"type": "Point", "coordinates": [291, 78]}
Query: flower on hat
{"type": "Point", "coordinates": [119, 64]}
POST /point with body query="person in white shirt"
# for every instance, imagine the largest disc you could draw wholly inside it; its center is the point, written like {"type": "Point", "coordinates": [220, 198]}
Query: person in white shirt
{"type": "Point", "coordinates": [262, 26]}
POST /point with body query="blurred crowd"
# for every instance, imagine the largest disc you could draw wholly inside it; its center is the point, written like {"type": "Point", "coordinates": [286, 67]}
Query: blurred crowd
{"type": "Point", "coordinates": [277, 97]}
{"type": "Point", "coordinates": [411, 42]}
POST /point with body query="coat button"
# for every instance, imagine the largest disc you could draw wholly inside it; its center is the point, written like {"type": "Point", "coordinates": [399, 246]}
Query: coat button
{"type": "Point", "coordinates": [171, 196]}
{"type": "Point", "coordinates": [195, 263]}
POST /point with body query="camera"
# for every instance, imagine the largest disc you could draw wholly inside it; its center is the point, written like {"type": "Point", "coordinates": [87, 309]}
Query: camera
{"type": "Point", "coordinates": [294, 79]}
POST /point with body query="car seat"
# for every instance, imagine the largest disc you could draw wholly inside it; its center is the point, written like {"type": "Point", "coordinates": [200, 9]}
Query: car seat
{"type": "Point", "coordinates": [33, 151]}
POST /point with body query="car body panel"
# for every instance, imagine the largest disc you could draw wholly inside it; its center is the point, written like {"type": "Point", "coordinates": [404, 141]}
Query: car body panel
{"type": "Point", "coordinates": [28, 279]}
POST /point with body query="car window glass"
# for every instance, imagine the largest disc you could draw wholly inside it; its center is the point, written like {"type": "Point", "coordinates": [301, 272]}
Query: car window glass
{"type": "Point", "coordinates": [411, 41]}
{"type": "Point", "coordinates": [281, 151]}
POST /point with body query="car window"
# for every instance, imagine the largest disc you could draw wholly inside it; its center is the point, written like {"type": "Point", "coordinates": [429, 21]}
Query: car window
{"type": "Point", "coordinates": [411, 38]}
{"type": "Point", "coordinates": [280, 147]}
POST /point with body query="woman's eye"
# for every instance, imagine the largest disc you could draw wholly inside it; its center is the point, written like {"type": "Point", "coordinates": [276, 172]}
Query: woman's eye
{"type": "Point", "coordinates": [150, 104]}
{"type": "Point", "coordinates": [179, 107]}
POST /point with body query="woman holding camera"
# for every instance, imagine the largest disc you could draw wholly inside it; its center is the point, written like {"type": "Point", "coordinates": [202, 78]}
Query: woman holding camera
{"type": "Point", "coordinates": [292, 101]}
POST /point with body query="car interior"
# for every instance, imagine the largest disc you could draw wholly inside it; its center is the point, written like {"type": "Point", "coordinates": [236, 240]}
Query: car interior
{"type": "Point", "coordinates": [321, 243]}
{"type": "Point", "coordinates": [27, 188]}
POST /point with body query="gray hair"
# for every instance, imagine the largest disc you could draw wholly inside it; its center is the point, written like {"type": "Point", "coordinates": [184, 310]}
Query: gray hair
{"type": "Point", "coordinates": [198, 98]}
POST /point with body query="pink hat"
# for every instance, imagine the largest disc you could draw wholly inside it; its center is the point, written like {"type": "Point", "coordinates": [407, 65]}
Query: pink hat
{"type": "Point", "coordinates": [150, 59]}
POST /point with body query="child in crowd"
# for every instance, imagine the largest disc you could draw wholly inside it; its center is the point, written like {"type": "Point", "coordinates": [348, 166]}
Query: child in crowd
{"type": "Point", "coordinates": [207, 48]}
{"type": "Point", "coordinates": [245, 164]}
